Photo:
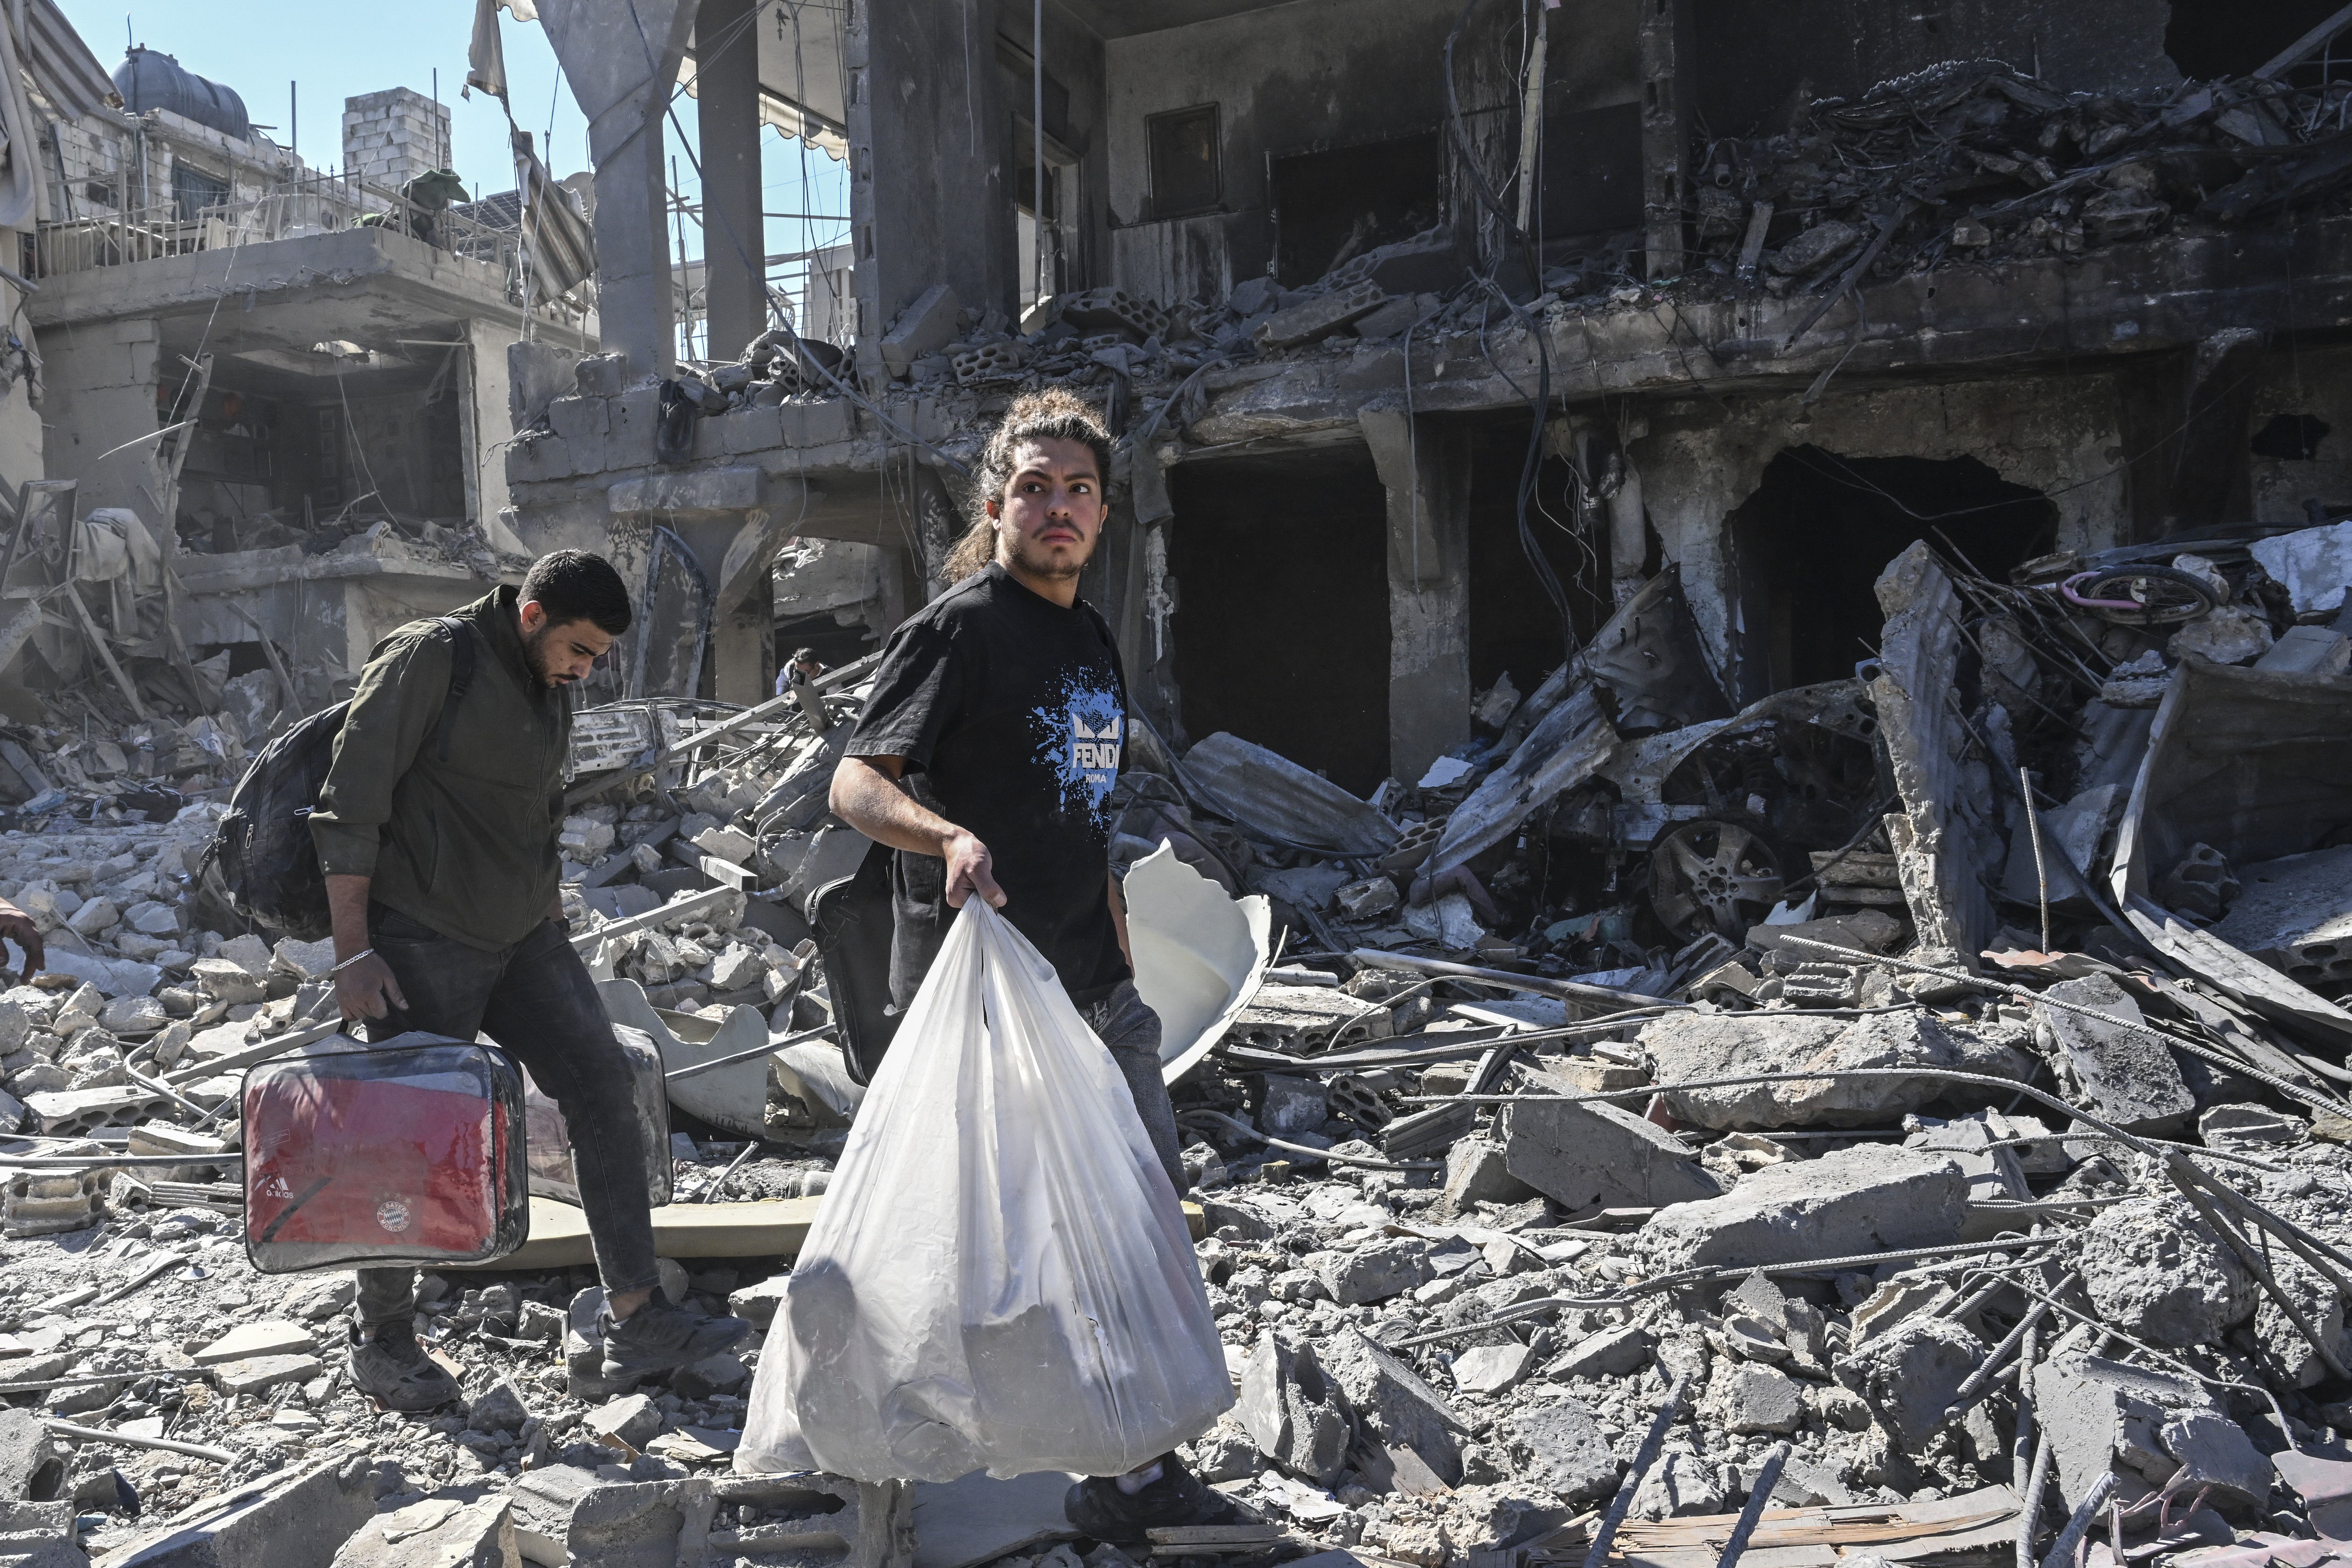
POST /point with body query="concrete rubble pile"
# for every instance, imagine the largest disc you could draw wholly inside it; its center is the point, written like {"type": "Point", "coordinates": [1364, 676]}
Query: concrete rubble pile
{"type": "Point", "coordinates": [1973, 160]}
{"type": "Point", "coordinates": [1919, 1123]}
{"type": "Point", "coordinates": [1968, 161]}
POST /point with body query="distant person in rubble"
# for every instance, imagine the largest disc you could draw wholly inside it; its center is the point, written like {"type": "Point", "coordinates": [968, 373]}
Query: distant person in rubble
{"type": "Point", "coordinates": [799, 678]}
{"type": "Point", "coordinates": [986, 757]}
{"type": "Point", "coordinates": [437, 834]}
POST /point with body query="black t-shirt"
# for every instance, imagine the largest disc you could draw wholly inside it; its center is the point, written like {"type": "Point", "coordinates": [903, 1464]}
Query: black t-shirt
{"type": "Point", "coordinates": [1012, 714]}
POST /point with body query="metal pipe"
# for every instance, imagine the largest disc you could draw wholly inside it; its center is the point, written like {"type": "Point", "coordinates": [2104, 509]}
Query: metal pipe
{"type": "Point", "coordinates": [2062, 1550]}
{"type": "Point", "coordinates": [2022, 1450]}
{"type": "Point", "coordinates": [1622, 1503]}
{"type": "Point", "coordinates": [1759, 1498]}
{"type": "Point", "coordinates": [1037, 138]}
{"type": "Point", "coordinates": [167, 1444]}
{"type": "Point", "coordinates": [2029, 1512]}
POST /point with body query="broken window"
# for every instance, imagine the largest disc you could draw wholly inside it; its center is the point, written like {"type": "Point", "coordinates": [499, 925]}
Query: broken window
{"type": "Point", "coordinates": [2292, 437]}
{"type": "Point", "coordinates": [1332, 206]}
{"type": "Point", "coordinates": [192, 191]}
{"type": "Point", "coordinates": [1810, 544]}
{"type": "Point", "coordinates": [1187, 175]}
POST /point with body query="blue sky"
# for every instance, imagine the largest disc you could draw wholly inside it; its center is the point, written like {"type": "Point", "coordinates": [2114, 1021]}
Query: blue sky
{"type": "Point", "coordinates": [340, 50]}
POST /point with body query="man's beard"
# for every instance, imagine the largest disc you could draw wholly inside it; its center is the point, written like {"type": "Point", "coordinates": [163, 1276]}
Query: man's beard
{"type": "Point", "coordinates": [1041, 565]}
{"type": "Point", "coordinates": [534, 653]}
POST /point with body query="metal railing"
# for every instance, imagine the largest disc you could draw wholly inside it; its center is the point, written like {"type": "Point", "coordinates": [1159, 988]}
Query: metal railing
{"type": "Point", "coordinates": [314, 204]}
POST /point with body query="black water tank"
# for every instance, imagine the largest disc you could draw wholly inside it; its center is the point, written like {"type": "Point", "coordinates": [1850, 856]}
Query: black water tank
{"type": "Point", "coordinates": [148, 79]}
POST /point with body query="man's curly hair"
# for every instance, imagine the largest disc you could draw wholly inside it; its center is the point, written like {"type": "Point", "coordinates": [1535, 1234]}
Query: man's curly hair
{"type": "Point", "coordinates": [1052, 415]}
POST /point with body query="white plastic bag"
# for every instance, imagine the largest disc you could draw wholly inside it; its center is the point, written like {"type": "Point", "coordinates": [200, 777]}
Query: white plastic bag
{"type": "Point", "coordinates": [1001, 1275]}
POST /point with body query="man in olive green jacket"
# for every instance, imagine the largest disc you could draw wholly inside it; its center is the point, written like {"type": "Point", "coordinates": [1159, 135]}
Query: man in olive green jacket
{"type": "Point", "coordinates": [436, 829]}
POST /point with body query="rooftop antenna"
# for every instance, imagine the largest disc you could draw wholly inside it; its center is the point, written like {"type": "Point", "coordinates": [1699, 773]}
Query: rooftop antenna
{"type": "Point", "coordinates": [294, 116]}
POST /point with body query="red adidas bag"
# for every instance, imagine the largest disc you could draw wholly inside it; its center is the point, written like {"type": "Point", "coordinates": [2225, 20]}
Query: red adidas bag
{"type": "Point", "coordinates": [409, 1152]}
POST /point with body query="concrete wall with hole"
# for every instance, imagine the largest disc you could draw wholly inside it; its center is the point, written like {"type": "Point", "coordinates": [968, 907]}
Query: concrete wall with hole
{"type": "Point", "coordinates": [1701, 460]}
{"type": "Point", "coordinates": [2299, 437]}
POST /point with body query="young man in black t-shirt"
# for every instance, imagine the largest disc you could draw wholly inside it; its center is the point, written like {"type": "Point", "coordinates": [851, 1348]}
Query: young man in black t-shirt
{"type": "Point", "coordinates": [986, 757]}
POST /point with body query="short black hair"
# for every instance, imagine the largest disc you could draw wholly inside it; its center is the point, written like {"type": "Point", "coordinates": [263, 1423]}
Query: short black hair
{"type": "Point", "coordinates": [805, 656]}
{"type": "Point", "coordinates": [573, 585]}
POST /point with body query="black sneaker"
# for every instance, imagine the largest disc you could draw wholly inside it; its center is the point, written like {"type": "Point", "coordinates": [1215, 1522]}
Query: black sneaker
{"type": "Point", "coordinates": [392, 1368]}
{"type": "Point", "coordinates": [1095, 1507]}
{"type": "Point", "coordinates": [659, 1337]}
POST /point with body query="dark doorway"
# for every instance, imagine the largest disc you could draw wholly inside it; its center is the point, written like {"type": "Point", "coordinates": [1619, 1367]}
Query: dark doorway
{"type": "Point", "coordinates": [1807, 546]}
{"type": "Point", "coordinates": [1281, 630]}
{"type": "Point", "coordinates": [1332, 206]}
{"type": "Point", "coordinates": [1514, 624]}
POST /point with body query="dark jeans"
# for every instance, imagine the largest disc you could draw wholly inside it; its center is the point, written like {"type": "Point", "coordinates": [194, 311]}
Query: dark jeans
{"type": "Point", "coordinates": [1130, 1029]}
{"type": "Point", "coordinates": [536, 1001]}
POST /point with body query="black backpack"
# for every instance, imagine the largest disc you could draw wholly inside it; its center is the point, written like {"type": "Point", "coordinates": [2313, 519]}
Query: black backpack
{"type": "Point", "coordinates": [270, 867]}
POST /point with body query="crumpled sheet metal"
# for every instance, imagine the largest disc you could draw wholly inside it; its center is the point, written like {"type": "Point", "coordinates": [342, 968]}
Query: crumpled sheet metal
{"type": "Point", "coordinates": [1648, 662]}
{"type": "Point", "coordinates": [1560, 753]}
{"type": "Point", "coordinates": [1200, 954]}
{"type": "Point", "coordinates": [2258, 765]}
{"type": "Point", "coordinates": [1273, 798]}
{"type": "Point", "coordinates": [1649, 657]}
{"type": "Point", "coordinates": [1640, 768]}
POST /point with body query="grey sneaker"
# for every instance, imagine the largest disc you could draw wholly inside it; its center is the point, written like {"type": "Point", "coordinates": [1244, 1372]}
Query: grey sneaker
{"type": "Point", "coordinates": [392, 1368]}
{"type": "Point", "coordinates": [659, 1337]}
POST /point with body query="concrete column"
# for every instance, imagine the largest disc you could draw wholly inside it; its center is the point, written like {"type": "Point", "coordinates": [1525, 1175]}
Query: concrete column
{"type": "Point", "coordinates": [1667, 64]}
{"type": "Point", "coordinates": [620, 60]}
{"type": "Point", "coordinates": [743, 645]}
{"type": "Point", "coordinates": [489, 424]}
{"type": "Point", "coordinates": [1424, 465]}
{"type": "Point", "coordinates": [727, 89]}
{"type": "Point", "coordinates": [928, 202]}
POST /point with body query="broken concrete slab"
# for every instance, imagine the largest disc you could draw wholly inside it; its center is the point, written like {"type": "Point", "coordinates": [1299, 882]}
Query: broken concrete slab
{"type": "Point", "coordinates": [1688, 1046]}
{"type": "Point", "coordinates": [270, 1337]}
{"type": "Point", "coordinates": [1358, 1276]}
{"type": "Point", "coordinates": [32, 1466]}
{"type": "Point", "coordinates": [1578, 1155]}
{"type": "Point", "coordinates": [257, 1374]}
{"type": "Point", "coordinates": [1560, 1446]}
{"type": "Point", "coordinates": [1748, 1397]}
{"type": "Point", "coordinates": [2121, 1075]}
{"type": "Point", "coordinates": [1296, 1415]}
{"type": "Point", "coordinates": [438, 1532]}
{"type": "Point", "coordinates": [2156, 1270]}
{"type": "Point", "coordinates": [633, 1418]}
{"type": "Point", "coordinates": [1490, 1369]}
{"type": "Point", "coordinates": [1612, 1352]}
{"type": "Point", "coordinates": [1393, 1402]}
{"type": "Point", "coordinates": [1476, 1172]}
{"type": "Point", "coordinates": [1910, 1374]}
{"type": "Point", "coordinates": [2102, 1414]}
{"type": "Point", "coordinates": [295, 1521]}
{"type": "Point", "coordinates": [923, 327]}
{"type": "Point", "coordinates": [1847, 1202]}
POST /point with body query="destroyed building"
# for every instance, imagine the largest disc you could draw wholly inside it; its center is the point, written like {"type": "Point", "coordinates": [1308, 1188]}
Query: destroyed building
{"type": "Point", "coordinates": [1823, 1040]}
{"type": "Point", "coordinates": [292, 377]}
